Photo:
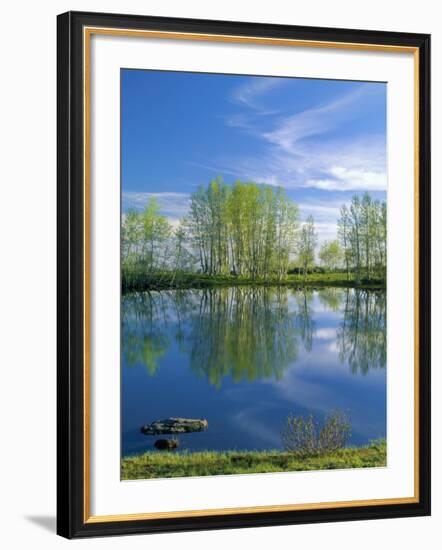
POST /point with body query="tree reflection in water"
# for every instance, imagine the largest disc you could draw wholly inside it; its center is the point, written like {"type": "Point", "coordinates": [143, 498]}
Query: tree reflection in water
{"type": "Point", "coordinates": [243, 332]}
{"type": "Point", "coordinates": [304, 317]}
{"type": "Point", "coordinates": [332, 298]}
{"type": "Point", "coordinates": [362, 335]}
{"type": "Point", "coordinates": [249, 333]}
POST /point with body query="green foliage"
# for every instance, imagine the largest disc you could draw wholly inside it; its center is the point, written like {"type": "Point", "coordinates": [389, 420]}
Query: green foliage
{"type": "Point", "coordinates": [249, 232]}
{"type": "Point", "coordinates": [307, 245]}
{"type": "Point", "coordinates": [145, 239]}
{"type": "Point", "coordinates": [362, 230]}
{"type": "Point", "coordinates": [304, 437]}
{"type": "Point", "coordinates": [331, 255]}
{"type": "Point", "coordinates": [155, 464]}
{"type": "Point", "coordinates": [245, 229]}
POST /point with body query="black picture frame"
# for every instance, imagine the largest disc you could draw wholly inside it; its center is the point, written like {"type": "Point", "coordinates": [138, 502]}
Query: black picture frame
{"type": "Point", "coordinates": [71, 520]}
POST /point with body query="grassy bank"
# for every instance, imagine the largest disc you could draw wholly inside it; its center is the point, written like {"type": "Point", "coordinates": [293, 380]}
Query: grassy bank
{"type": "Point", "coordinates": [133, 282]}
{"type": "Point", "coordinates": [155, 464]}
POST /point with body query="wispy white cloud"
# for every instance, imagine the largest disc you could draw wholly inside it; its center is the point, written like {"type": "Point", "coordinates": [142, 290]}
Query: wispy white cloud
{"type": "Point", "coordinates": [326, 231]}
{"type": "Point", "coordinates": [319, 209]}
{"type": "Point", "coordinates": [251, 94]}
{"type": "Point", "coordinates": [316, 121]}
{"type": "Point", "coordinates": [172, 205]}
{"type": "Point", "coordinates": [348, 179]}
{"type": "Point", "coordinates": [321, 213]}
{"type": "Point", "coordinates": [325, 215]}
{"type": "Point", "coordinates": [239, 121]}
{"type": "Point", "coordinates": [300, 152]}
{"type": "Point", "coordinates": [219, 169]}
{"type": "Point", "coordinates": [358, 166]}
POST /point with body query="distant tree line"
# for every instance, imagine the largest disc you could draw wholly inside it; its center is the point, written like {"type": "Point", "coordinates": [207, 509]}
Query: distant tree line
{"type": "Point", "coordinates": [362, 230]}
{"type": "Point", "coordinates": [253, 231]}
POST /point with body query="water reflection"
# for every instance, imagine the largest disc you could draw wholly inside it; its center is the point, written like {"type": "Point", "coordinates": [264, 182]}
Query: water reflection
{"type": "Point", "coordinates": [332, 298]}
{"type": "Point", "coordinates": [362, 336]}
{"type": "Point", "coordinates": [251, 333]}
{"type": "Point", "coordinates": [246, 333]}
{"type": "Point", "coordinates": [304, 317]}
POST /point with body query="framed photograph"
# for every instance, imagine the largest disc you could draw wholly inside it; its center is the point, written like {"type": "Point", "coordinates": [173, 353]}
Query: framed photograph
{"type": "Point", "coordinates": [243, 274]}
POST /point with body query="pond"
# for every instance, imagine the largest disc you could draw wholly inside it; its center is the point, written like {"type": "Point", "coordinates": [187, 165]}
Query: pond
{"type": "Point", "coordinates": [244, 358]}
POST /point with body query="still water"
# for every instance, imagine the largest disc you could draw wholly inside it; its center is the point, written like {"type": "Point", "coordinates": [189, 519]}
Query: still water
{"type": "Point", "coordinates": [245, 358]}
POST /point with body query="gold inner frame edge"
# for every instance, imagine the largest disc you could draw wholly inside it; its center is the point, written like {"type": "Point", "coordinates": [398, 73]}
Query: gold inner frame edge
{"type": "Point", "coordinates": [87, 33]}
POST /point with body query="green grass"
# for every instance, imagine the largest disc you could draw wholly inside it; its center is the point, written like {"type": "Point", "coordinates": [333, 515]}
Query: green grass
{"type": "Point", "coordinates": [163, 281]}
{"type": "Point", "coordinates": [156, 464]}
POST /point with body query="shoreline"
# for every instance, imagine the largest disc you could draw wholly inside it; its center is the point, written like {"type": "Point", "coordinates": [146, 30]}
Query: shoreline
{"type": "Point", "coordinates": [161, 464]}
{"type": "Point", "coordinates": [182, 281]}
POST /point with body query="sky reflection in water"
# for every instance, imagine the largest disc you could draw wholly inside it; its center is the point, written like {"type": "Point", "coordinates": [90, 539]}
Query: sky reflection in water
{"type": "Point", "coordinates": [245, 358]}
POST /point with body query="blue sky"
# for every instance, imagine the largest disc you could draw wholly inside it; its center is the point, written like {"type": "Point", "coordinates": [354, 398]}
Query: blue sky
{"type": "Point", "coordinates": [322, 140]}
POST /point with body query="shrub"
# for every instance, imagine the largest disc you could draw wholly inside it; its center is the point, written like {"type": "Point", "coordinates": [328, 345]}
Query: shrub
{"type": "Point", "coordinates": [304, 437]}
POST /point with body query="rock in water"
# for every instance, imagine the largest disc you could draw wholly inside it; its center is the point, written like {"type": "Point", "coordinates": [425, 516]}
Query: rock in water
{"type": "Point", "coordinates": [175, 426]}
{"type": "Point", "coordinates": [166, 444]}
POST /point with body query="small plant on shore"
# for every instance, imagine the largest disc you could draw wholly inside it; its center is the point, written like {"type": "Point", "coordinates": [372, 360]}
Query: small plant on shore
{"type": "Point", "coordinates": [305, 437]}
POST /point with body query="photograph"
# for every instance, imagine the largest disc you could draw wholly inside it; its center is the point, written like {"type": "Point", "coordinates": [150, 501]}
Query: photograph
{"type": "Point", "coordinates": [253, 265]}
{"type": "Point", "coordinates": [243, 274]}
